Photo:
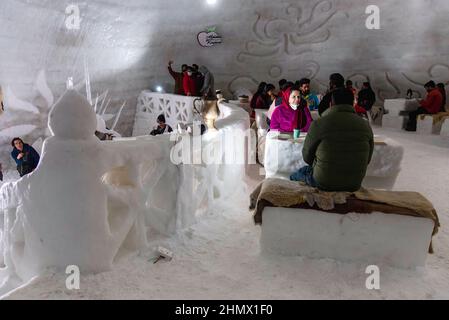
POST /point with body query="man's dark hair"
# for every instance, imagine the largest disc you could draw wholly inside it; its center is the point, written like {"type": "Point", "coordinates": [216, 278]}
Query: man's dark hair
{"type": "Point", "coordinates": [282, 82]}
{"type": "Point", "coordinates": [342, 96]}
{"type": "Point", "coordinates": [303, 81]}
{"type": "Point", "coordinates": [195, 67]}
{"type": "Point", "coordinates": [337, 79]}
{"type": "Point", "coordinates": [440, 85]}
{"type": "Point", "coordinates": [184, 67]}
{"type": "Point", "coordinates": [348, 83]}
{"type": "Point", "coordinates": [295, 88]}
{"type": "Point", "coordinates": [261, 87]}
{"type": "Point", "coordinates": [367, 84]}
{"type": "Point", "coordinates": [287, 85]}
{"type": "Point", "coordinates": [430, 84]}
{"type": "Point", "coordinates": [14, 140]}
{"type": "Point", "coordinates": [269, 87]}
{"type": "Point", "coordinates": [161, 118]}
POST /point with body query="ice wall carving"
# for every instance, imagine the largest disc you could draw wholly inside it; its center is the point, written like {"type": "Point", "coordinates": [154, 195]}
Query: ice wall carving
{"type": "Point", "coordinates": [128, 45]}
{"type": "Point", "coordinates": [315, 39]}
{"type": "Point", "coordinates": [286, 37]}
{"type": "Point", "coordinates": [291, 34]}
{"type": "Point", "coordinates": [213, 185]}
{"type": "Point", "coordinates": [74, 209]}
{"type": "Point", "coordinates": [104, 197]}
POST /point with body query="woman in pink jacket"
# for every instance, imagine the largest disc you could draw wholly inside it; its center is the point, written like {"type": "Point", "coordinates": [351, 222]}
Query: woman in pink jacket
{"type": "Point", "coordinates": [292, 114]}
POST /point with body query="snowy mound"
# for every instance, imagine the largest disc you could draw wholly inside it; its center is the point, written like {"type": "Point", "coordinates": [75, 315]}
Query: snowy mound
{"type": "Point", "coordinates": [72, 117]}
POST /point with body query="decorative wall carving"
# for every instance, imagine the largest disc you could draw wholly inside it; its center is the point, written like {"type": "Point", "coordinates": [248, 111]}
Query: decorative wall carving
{"type": "Point", "coordinates": [283, 38]}
{"type": "Point", "coordinates": [176, 108]}
{"type": "Point", "coordinates": [303, 40]}
{"type": "Point", "coordinates": [291, 34]}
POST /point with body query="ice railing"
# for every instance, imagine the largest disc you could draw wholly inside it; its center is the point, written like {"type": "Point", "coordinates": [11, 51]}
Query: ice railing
{"type": "Point", "coordinates": [210, 167]}
{"type": "Point", "coordinates": [176, 108]}
{"type": "Point", "coordinates": [148, 191]}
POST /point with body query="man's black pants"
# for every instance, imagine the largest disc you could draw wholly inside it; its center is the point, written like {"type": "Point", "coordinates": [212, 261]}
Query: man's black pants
{"type": "Point", "coordinates": [412, 118]}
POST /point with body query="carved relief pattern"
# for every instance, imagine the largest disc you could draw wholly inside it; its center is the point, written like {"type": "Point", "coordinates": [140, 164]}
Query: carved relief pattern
{"type": "Point", "coordinates": [289, 36]}
{"type": "Point", "coordinates": [292, 35]}
{"type": "Point", "coordinates": [177, 109]}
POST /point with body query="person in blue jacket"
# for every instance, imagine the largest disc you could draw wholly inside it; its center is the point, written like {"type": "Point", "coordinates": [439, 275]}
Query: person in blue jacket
{"type": "Point", "coordinates": [25, 156]}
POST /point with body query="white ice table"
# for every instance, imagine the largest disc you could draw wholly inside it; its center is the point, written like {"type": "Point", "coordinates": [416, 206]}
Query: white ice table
{"type": "Point", "coordinates": [395, 118]}
{"type": "Point", "coordinates": [396, 106]}
{"type": "Point", "coordinates": [283, 156]}
{"type": "Point", "coordinates": [445, 128]}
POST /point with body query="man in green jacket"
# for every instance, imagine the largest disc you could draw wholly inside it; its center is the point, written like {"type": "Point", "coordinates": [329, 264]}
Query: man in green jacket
{"type": "Point", "coordinates": [338, 147]}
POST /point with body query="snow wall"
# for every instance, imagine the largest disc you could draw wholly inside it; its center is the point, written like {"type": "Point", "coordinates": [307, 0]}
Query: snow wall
{"type": "Point", "coordinates": [104, 197]}
{"type": "Point", "coordinates": [127, 44]}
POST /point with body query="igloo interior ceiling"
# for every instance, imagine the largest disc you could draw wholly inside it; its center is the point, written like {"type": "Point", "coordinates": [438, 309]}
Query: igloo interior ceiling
{"type": "Point", "coordinates": [127, 44]}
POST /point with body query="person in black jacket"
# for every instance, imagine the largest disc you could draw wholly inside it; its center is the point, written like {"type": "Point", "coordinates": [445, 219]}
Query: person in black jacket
{"type": "Point", "coordinates": [25, 156]}
{"type": "Point", "coordinates": [336, 81]}
{"type": "Point", "coordinates": [366, 99]}
{"type": "Point", "coordinates": [162, 127]}
{"type": "Point", "coordinates": [442, 89]}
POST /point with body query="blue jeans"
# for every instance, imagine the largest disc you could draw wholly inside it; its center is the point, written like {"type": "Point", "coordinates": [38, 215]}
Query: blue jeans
{"type": "Point", "coordinates": [305, 174]}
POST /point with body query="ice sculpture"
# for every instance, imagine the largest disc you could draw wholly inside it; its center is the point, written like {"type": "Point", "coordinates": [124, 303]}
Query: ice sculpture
{"type": "Point", "coordinates": [63, 213]}
{"type": "Point", "coordinates": [29, 119]}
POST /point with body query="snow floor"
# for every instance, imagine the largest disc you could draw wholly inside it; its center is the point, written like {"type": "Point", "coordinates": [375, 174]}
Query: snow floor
{"type": "Point", "coordinates": [219, 257]}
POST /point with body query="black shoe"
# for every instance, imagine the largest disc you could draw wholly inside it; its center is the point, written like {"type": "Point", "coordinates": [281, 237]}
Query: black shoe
{"type": "Point", "coordinates": [410, 129]}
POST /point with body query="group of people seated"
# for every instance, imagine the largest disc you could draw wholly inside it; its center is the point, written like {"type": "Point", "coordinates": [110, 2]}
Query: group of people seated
{"type": "Point", "coordinates": [193, 80]}
{"type": "Point", "coordinates": [291, 108]}
{"type": "Point", "coordinates": [339, 145]}
{"type": "Point", "coordinates": [267, 98]}
{"type": "Point", "coordinates": [363, 100]}
{"type": "Point", "coordinates": [434, 103]}
{"type": "Point", "coordinates": [340, 142]}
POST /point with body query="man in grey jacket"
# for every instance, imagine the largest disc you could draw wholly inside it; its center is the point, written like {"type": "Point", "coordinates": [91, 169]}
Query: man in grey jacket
{"type": "Point", "coordinates": [208, 89]}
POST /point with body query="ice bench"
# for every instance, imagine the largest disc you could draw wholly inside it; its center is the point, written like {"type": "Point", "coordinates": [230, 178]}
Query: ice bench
{"type": "Point", "coordinates": [445, 128]}
{"type": "Point", "coordinates": [358, 230]}
{"type": "Point", "coordinates": [431, 123]}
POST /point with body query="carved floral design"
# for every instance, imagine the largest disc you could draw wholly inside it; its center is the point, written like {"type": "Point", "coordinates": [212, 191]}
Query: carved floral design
{"type": "Point", "coordinates": [290, 35]}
